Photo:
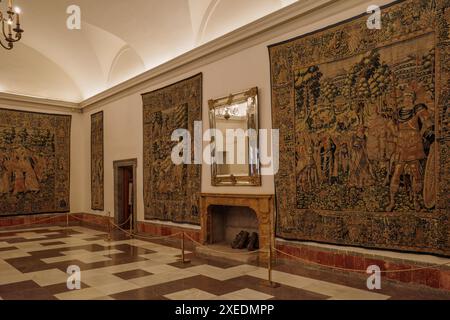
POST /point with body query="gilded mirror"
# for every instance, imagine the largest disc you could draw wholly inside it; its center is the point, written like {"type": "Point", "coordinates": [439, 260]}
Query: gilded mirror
{"type": "Point", "coordinates": [234, 139]}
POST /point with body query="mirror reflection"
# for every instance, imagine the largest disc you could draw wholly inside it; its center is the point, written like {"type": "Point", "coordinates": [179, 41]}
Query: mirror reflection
{"type": "Point", "coordinates": [234, 120]}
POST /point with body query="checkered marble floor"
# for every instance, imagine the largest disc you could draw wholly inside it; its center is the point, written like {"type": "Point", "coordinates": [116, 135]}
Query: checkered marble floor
{"type": "Point", "coordinates": [33, 265]}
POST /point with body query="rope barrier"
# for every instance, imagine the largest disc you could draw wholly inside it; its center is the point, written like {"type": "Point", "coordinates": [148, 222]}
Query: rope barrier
{"type": "Point", "coordinates": [144, 237]}
{"type": "Point", "coordinates": [359, 270]}
{"type": "Point", "coordinates": [76, 218]}
{"type": "Point", "coordinates": [131, 233]}
{"type": "Point", "coordinates": [126, 221]}
{"type": "Point", "coordinates": [223, 252]}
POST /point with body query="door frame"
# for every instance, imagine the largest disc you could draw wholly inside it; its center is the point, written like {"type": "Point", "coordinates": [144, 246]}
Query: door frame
{"type": "Point", "coordinates": [117, 165]}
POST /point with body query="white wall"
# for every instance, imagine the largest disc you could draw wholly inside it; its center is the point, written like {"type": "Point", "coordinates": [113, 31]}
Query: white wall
{"type": "Point", "coordinates": [78, 170]}
{"type": "Point", "coordinates": [240, 71]}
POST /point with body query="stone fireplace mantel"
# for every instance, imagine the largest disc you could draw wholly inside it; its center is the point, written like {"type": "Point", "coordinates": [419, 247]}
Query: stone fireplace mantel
{"type": "Point", "coordinates": [262, 205]}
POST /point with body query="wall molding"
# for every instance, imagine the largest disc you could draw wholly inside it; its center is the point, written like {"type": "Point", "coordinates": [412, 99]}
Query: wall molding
{"type": "Point", "coordinates": [15, 100]}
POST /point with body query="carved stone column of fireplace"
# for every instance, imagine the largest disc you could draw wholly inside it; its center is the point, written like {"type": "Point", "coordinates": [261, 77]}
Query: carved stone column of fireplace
{"type": "Point", "coordinates": [262, 205]}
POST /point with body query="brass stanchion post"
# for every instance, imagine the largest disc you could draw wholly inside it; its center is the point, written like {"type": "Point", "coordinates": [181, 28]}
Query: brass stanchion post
{"type": "Point", "coordinates": [131, 225]}
{"type": "Point", "coordinates": [67, 220]}
{"type": "Point", "coordinates": [109, 225]}
{"type": "Point", "coordinates": [270, 283]}
{"type": "Point", "coordinates": [269, 265]}
{"type": "Point", "coordinates": [183, 258]}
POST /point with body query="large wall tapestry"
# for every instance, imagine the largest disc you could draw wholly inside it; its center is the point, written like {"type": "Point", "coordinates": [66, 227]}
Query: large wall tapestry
{"type": "Point", "coordinates": [364, 135]}
{"type": "Point", "coordinates": [97, 169]}
{"type": "Point", "coordinates": [171, 192]}
{"type": "Point", "coordinates": [34, 163]}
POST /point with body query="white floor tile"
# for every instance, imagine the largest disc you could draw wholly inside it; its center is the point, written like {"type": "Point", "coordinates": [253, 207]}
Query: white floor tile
{"type": "Point", "coordinates": [48, 277]}
{"type": "Point", "coordinates": [83, 294]}
{"type": "Point", "coordinates": [190, 294]}
{"type": "Point", "coordinates": [246, 294]}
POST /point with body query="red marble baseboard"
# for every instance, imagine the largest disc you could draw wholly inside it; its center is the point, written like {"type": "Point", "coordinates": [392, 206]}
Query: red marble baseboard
{"type": "Point", "coordinates": [93, 219]}
{"type": "Point", "coordinates": [435, 277]}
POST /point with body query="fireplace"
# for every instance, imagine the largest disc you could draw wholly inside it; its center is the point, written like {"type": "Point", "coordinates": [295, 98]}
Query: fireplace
{"type": "Point", "coordinates": [228, 221]}
{"type": "Point", "coordinates": [224, 215]}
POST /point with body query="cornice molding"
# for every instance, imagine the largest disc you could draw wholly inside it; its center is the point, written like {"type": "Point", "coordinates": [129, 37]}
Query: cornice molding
{"type": "Point", "coordinates": [15, 100]}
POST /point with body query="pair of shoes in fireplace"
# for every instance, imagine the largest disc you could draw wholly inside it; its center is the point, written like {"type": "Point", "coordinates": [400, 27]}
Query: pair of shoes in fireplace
{"type": "Point", "coordinates": [240, 241]}
{"type": "Point", "coordinates": [245, 240]}
{"type": "Point", "coordinates": [253, 242]}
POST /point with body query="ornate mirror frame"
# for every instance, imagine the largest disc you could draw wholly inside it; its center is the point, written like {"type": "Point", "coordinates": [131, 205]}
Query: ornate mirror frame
{"type": "Point", "coordinates": [253, 178]}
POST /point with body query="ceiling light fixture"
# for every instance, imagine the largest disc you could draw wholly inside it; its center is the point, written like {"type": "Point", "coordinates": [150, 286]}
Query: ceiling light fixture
{"type": "Point", "coordinates": [7, 21]}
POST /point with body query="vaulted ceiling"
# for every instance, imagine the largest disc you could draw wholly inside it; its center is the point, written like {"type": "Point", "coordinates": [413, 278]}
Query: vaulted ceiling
{"type": "Point", "coordinates": [118, 39]}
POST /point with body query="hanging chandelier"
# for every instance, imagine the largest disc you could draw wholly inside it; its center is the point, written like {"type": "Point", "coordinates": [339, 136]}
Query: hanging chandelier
{"type": "Point", "coordinates": [10, 34]}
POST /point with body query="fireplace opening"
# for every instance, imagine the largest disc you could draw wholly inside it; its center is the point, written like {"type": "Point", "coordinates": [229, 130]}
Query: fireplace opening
{"type": "Point", "coordinates": [228, 221]}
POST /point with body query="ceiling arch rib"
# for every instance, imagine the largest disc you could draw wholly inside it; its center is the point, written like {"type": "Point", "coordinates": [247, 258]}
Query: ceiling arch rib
{"type": "Point", "coordinates": [198, 9]}
{"type": "Point", "coordinates": [209, 7]}
{"type": "Point", "coordinates": [126, 65]}
{"type": "Point", "coordinates": [105, 46]}
{"type": "Point", "coordinates": [223, 16]}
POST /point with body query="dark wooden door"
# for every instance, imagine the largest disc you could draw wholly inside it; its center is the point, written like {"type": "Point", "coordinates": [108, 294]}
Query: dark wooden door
{"type": "Point", "coordinates": [127, 196]}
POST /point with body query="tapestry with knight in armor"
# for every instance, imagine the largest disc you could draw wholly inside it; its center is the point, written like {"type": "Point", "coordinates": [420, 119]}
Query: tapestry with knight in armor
{"type": "Point", "coordinates": [171, 191]}
{"type": "Point", "coordinates": [34, 163]}
{"type": "Point", "coordinates": [364, 140]}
